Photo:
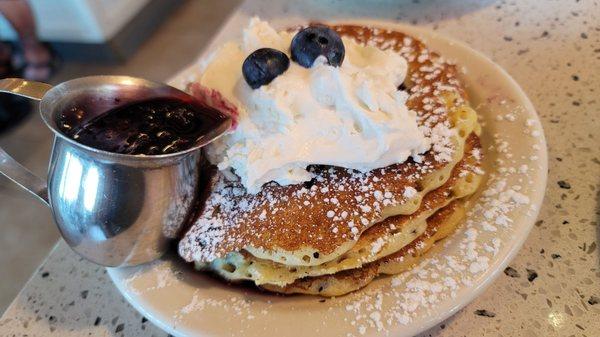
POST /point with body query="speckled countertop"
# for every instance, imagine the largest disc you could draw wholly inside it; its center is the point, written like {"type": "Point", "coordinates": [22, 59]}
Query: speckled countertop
{"type": "Point", "coordinates": [552, 288]}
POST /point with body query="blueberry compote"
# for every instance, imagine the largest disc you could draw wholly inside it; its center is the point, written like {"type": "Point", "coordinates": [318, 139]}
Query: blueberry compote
{"type": "Point", "coordinates": [152, 127]}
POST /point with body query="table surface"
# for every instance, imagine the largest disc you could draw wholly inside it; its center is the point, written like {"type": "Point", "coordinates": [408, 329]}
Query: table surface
{"type": "Point", "coordinates": [552, 288]}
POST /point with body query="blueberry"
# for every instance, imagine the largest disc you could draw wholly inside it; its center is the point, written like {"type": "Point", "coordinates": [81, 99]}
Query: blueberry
{"type": "Point", "coordinates": [313, 41]}
{"type": "Point", "coordinates": [263, 65]}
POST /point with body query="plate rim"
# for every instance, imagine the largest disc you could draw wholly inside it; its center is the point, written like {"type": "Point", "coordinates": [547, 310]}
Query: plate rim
{"type": "Point", "coordinates": [497, 264]}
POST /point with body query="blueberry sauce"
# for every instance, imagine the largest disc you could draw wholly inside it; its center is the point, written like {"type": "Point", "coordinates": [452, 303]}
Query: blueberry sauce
{"type": "Point", "coordinates": [152, 127]}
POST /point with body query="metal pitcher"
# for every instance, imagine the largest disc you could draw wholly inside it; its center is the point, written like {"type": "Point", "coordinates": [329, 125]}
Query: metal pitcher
{"type": "Point", "coordinates": [113, 209]}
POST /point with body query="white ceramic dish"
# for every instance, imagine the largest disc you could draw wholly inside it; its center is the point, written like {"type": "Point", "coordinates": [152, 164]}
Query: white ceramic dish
{"type": "Point", "coordinates": [187, 303]}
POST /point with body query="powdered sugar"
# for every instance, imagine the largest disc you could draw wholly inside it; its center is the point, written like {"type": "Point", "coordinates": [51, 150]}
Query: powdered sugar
{"type": "Point", "coordinates": [377, 245]}
{"type": "Point", "coordinates": [235, 306]}
{"type": "Point", "coordinates": [421, 288]}
{"type": "Point", "coordinates": [409, 192]}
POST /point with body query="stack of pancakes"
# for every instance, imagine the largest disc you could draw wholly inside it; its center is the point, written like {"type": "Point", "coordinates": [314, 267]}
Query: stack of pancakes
{"type": "Point", "coordinates": [336, 233]}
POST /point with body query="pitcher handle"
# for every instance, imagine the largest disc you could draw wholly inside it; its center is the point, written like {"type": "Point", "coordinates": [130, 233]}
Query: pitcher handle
{"type": "Point", "coordinates": [10, 167]}
{"type": "Point", "coordinates": [21, 87]}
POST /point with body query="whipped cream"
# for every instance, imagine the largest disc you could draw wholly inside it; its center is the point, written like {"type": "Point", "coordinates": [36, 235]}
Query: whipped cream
{"type": "Point", "coordinates": [351, 116]}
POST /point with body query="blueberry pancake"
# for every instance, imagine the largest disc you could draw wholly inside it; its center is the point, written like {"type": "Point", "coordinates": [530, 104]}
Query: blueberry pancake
{"type": "Point", "coordinates": [348, 142]}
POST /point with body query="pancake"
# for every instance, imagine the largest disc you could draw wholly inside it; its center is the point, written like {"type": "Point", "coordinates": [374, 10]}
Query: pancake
{"type": "Point", "coordinates": [382, 239]}
{"type": "Point", "coordinates": [439, 226]}
{"type": "Point", "coordinates": [317, 222]}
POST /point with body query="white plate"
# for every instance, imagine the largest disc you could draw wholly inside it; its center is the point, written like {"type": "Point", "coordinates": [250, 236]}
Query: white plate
{"type": "Point", "coordinates": [187, 303]}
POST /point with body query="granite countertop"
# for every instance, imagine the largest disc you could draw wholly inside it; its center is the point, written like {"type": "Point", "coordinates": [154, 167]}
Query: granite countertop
{"type": "Point", "coordinates": [552, 288]}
